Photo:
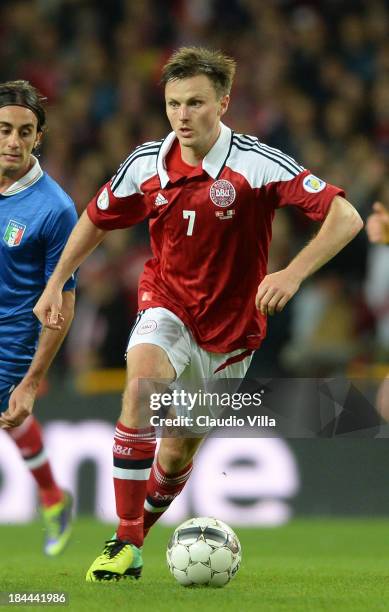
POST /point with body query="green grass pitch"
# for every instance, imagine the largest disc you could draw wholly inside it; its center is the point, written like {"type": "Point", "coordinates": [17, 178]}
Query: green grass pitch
{"type": "Point", "coordinates": [308, 565]}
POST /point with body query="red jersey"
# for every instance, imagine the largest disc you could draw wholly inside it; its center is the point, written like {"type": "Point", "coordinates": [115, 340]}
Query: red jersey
{"type": "Point", "coordinates": [210, 228]}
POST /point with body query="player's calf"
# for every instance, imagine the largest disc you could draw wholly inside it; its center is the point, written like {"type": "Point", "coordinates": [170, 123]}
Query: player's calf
{"type": "Point", "coordinates": [162, 489]}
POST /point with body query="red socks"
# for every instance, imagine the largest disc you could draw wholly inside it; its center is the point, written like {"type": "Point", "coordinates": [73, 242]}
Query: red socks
{"type": "Point", "coordinates": [28, 438]}
{"type": "Point", "coordinates": [162, 488]}
{"type": "Point", "coordinates": [133, 456]}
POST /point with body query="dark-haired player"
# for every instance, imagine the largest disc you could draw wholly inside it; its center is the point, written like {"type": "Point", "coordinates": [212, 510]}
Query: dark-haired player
{"type": "Point", "coordinates": [210, 196]}
{"type": "Point", "coordinates": [36, 218]}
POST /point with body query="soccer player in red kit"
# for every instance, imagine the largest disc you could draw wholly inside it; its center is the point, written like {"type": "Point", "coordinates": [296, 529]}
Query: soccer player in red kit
{"type": "Point", "coordinates": [210, 196]}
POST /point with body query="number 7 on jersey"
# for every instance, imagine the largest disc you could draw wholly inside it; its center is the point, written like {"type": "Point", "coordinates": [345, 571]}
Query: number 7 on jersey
{"type": "Point", "coordinates": [189, 214]}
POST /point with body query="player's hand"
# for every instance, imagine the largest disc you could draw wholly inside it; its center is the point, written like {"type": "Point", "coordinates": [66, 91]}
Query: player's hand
{"type": "Point", "coordinates": [275, 291]}
{"type": "Point", "coordinates": [377, 224]}
{"type": "Point", "coordinates": [48, 308]}
{"type": "Point", "coordinates": [20, 405]}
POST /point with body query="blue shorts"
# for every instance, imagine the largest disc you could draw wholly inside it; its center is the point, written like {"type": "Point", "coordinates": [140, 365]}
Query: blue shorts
{"type": "Point", "coordinates": [6, 388]}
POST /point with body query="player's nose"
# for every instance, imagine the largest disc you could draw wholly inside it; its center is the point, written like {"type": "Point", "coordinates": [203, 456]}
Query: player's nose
{"type": "Point", "coordinates": [183, 113]}
{"type": "Point", "coordinates": [14, 140]}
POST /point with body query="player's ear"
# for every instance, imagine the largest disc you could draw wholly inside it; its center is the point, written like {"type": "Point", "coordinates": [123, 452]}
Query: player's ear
{"type": "Point", "coordinates": [224, 102]}
{"type": "Point", "coordinates": [37, 142]}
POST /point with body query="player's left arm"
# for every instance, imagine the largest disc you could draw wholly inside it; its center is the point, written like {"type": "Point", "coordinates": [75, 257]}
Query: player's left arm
{"type": "Point", "coordinates": [22, 398]}
{"type": "Point", "coordinates": [340, 226]}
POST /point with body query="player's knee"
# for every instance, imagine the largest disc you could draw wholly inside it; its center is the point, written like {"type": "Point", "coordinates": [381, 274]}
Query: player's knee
{"type": "Point", "coordinates": [130, 392]}
{"type": "Point", "coordinates": [149, 361]}
{"type": "Point", "coordinates": [146, 366]}
{"type": "Point", "coordinates": [135, 394]}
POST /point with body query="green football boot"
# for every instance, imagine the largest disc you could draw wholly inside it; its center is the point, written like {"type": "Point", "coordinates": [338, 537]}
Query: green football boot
{"type": "Point", "coordinates": [119, 560]}
{"type": "Point", "coordinates": [58, 525]}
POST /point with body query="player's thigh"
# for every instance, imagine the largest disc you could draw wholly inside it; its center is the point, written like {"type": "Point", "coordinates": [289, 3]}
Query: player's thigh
{"type": "Point", "coordinates": [211, 376]}
{"type": "Point", "coordinates": [158, 345]}
{"type": "Point", "coordinates": [228, 375]}
{"type": "Point", "coordinates": [175, 453]}
{"type": "Point", "coordinates": [231, 366]}
{"type": "Point", "coordinates": [157, 352]}
{"type": "Point", "coordinates": [149, 361]}
{"type": "Point", "coordinates": [148, 371]}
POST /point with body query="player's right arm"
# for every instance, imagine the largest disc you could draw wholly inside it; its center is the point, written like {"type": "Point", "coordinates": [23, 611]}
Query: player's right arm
{"type": "Point", "coordinates": [377, 224]}
{"type": "Point", "coordinates": [82, 241]}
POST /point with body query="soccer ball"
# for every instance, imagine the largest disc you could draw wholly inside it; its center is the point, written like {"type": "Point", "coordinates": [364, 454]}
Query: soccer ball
{"type": "Point", "coordinates": [203, 551]}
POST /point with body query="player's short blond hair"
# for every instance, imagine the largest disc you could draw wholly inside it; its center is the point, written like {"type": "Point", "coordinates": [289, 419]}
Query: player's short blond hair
{"type": "Point", "coordinates": [192, 61]}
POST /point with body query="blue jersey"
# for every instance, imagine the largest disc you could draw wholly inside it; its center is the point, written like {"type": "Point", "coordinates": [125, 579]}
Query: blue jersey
{"type": "Point", "coordinates": [36, 218]}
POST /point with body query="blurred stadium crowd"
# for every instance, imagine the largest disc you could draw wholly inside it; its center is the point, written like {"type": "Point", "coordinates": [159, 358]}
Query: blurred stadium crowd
{"type": "Point", "coordinates": [312, 80]}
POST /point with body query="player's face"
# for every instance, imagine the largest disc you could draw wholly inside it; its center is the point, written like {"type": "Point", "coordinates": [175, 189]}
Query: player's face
{"type": "Point", "coordinates": [194, 110]}
{"type": "Point", "coordinates": [18, 136]}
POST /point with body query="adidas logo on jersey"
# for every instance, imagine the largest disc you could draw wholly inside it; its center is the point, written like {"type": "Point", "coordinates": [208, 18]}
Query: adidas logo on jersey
{"type": "Point", "coordinates": [160, 200]}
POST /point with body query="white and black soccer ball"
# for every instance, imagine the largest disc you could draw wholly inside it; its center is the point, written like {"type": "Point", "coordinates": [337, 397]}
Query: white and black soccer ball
{"type": "Point", "coordinates": [204, 551]}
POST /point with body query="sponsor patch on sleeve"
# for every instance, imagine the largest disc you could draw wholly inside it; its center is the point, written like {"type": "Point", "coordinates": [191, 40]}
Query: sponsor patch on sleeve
{"type": "Point", "coordinates": [103, 200]}
{"type": "Point", "coordinates": [146, 327]}
{"type": "Point", "coordinates": [313, 184]}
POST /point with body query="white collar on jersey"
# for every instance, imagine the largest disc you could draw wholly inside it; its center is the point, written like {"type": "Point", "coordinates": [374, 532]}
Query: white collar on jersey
{"type": "Point", "coordinates": [213, 162]}
{"type": "Point", "coordinates": [32, 176]}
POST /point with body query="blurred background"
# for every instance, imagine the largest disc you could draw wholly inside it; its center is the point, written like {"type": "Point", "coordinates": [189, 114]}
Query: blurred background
{"type": "Point", "coordinates": [312, 80]}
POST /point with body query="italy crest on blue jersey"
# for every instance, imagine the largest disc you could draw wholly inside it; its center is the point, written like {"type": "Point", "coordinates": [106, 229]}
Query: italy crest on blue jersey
{"type": "Point", "coordinates": [14, 233]}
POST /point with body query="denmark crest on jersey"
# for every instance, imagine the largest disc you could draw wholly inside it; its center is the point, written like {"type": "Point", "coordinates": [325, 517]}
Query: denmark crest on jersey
{"type": "Point", "coordinates": [14, 233]}
{"type": "Point", "coordinates": [222, 193]}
